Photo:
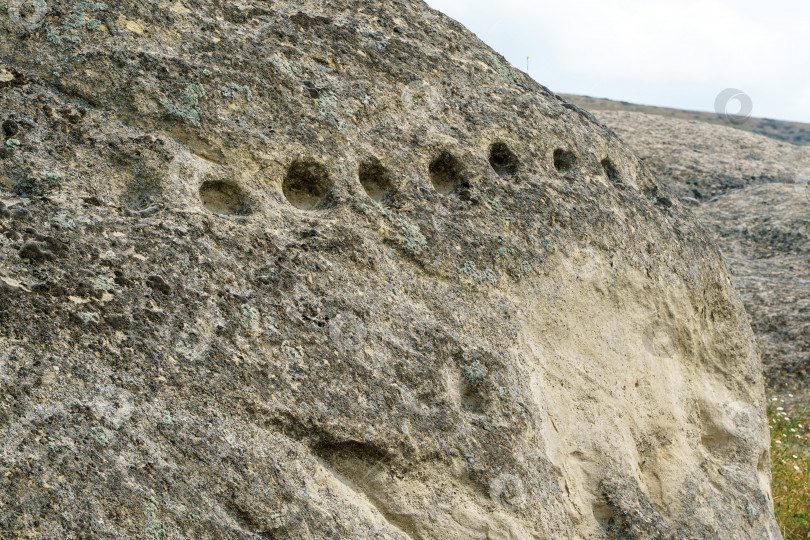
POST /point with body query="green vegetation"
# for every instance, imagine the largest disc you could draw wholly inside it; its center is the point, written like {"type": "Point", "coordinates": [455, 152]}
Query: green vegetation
{"type": "Point", "coordinates": [790, 457]}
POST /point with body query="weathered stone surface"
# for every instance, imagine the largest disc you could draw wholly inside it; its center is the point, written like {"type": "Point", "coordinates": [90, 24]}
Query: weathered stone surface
{"type": "Point", "coordinates": [753, 193]}
{"type": "Point", "coordinates": [336, 270]}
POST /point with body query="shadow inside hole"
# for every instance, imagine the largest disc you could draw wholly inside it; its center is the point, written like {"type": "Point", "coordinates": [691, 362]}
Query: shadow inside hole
{"type": "Point", "coordinates": [503, 160]}
{"type": "Point", "coordinates": [376, 180]}
{"type": "Point", "coordinates": [445, 173]}
{"type": "Point", "coordinates": [611, 171]}
{"type": "Point", "coordinates": [227, 198]}
{"type": "Point", "coordinates": [564, 160]}
{"type": "Point", "coordinates": [306, 185]}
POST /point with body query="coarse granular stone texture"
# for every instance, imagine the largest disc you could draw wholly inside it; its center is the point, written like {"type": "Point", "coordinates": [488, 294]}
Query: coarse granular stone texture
{"type": "Point", "coordinates": [337, 270]}
{"type": "Point", "coordinates": [753, 193]}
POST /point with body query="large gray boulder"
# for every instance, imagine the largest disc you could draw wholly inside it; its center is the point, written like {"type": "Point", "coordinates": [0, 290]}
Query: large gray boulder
{"type": "Point", "coordinates": [336, 270]}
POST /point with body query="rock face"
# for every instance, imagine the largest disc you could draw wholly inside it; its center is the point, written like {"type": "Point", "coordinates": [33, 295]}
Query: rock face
{"type": "Point", "coordinates": [336, 270]}
{"type": "Point", "coordinates": [754, 194]}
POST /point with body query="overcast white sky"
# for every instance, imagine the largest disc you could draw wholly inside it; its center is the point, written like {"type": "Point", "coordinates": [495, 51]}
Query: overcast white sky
{"type": "Point", "coordinates": [673, 53]}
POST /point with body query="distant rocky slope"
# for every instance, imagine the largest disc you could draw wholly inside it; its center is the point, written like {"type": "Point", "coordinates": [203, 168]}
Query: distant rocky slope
{"type": "Point", "coordinates": [336, 270]}
{"type": "Point", "coordinates": [782, 130]}
{"type": "Point", "coordinates": [754, 193]}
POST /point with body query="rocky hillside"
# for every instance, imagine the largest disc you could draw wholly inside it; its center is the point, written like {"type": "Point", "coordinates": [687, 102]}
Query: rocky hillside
{"type": "Point", "coordinates": [793, 132]}
{"type": "Point", "coordinates": [336, 270]}
{"type": "Point", "coordinates": [754, 194]}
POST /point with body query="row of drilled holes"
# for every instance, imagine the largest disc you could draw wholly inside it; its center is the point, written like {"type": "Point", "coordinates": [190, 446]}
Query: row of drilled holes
{"type": "Point", "coordinates": [307, 184]}
{"type": "Point", "coordinates": [565, 160]}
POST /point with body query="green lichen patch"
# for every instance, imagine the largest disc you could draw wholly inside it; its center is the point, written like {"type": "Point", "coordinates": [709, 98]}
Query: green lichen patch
{"type": "Point", "coordinates": [87, 318]}
{"type": "Point", "coordinates": [409, 236]}
{"type": "Point", "coordinates": [289, 68]}
{"type": "Point", "coordinates": [504, 70]}
{"type": "Point", "coordinates": [62, 221]}
{"type": "Point", "coordinates": [475, 372]}
{"type": "Point", "coordinates": [470, 270]}
{"type": "Point", "coordinates": [101, 435]}
{"type": "Point", "coordinates": [102, 283]}
{"type": "Point", "coordinates": [330, 109]}
{"type": "Point", "coordinates": [231, 90]}
{"type": "Point", "coordinates": [250, 318]}
{"type": "Point", "coordinates": [154, 529]}
{"type": "Point", "coordinates": [188, 107]}
{"type": "Point", "coordinates": [79, 18]}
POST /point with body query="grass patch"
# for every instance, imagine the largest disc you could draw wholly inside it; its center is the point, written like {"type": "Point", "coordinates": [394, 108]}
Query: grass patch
{"type": "Point", "coordinates": [790, 468]}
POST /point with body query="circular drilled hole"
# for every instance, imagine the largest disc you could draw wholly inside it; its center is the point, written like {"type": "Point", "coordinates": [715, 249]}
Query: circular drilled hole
{"type": "Point", "coordinates": [227, 198]}
{"type": "Point", "coordinates": [502, 159]}
{"type": "Point", "coordinates": [564, 160]}
{"type": "Point", "coordinates": [307, 184]}
{"type": "Point", "coordinates": [611, 171]}
{"type": "Point", "coordinates": [445, 173]}
{"type": "Point", "coordinates": [376, 180]}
